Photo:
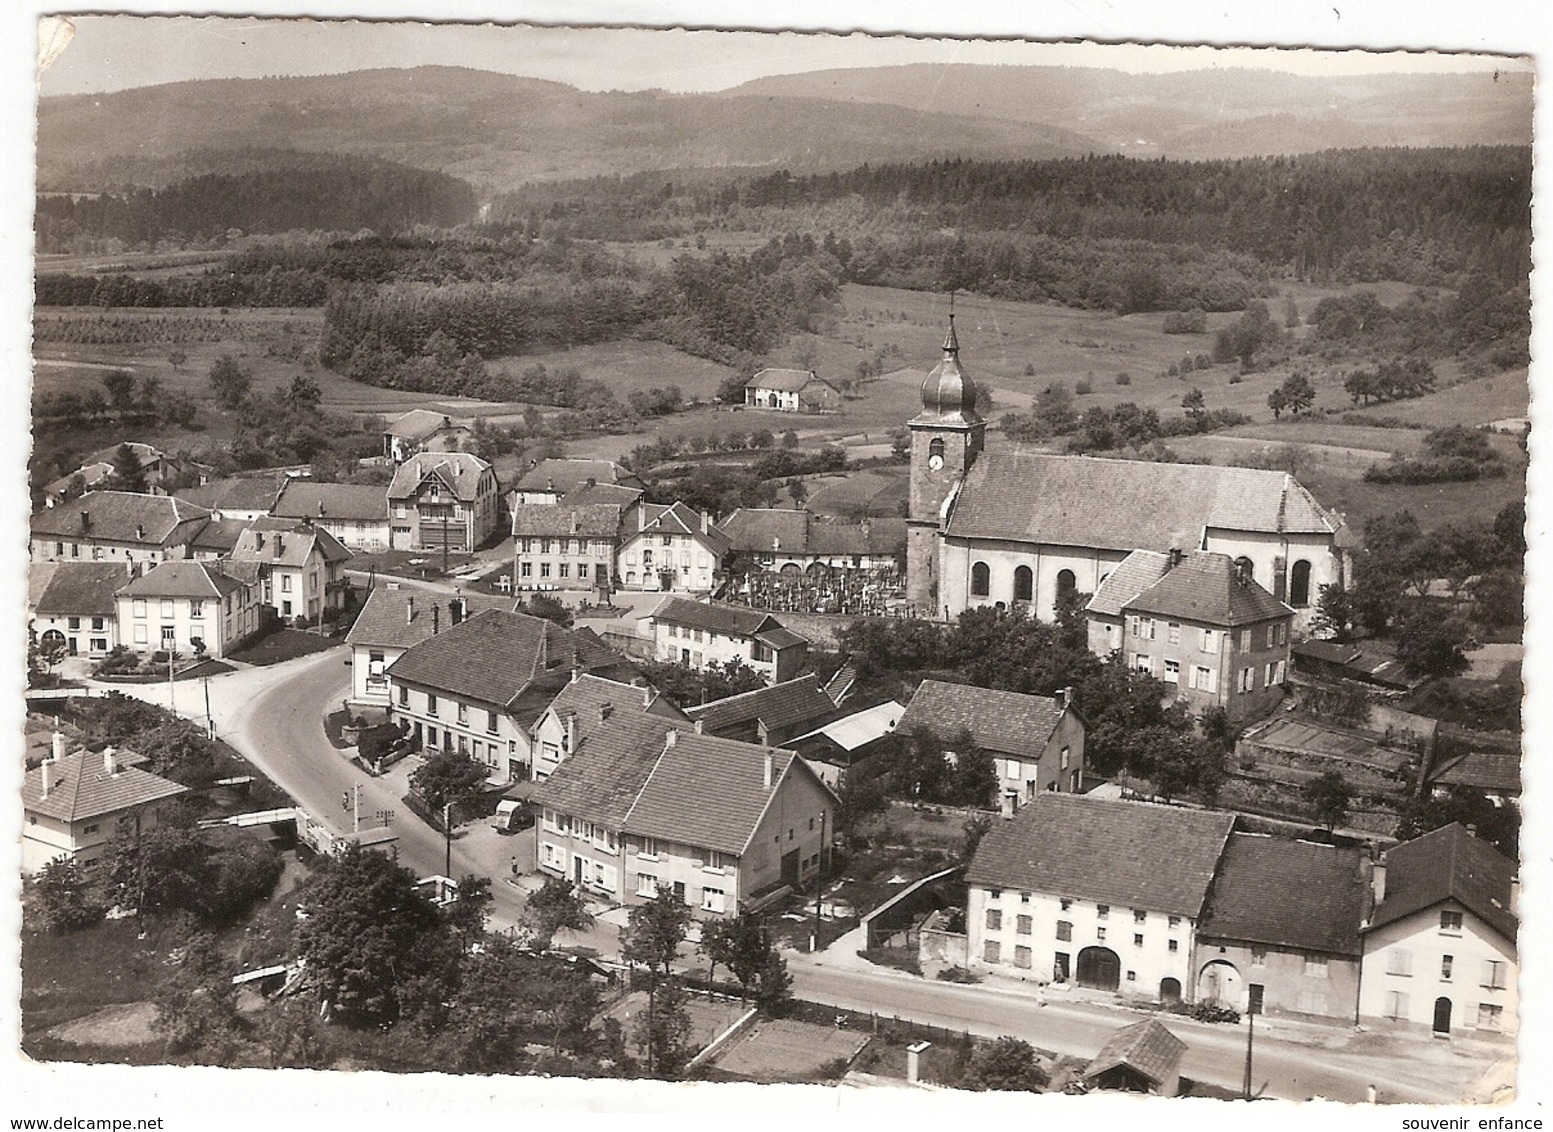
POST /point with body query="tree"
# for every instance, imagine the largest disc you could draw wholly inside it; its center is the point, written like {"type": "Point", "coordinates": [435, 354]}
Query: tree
{"type": "Point", "coordinates": [176, 358]}
{"type": "Point", "coordinates": [364, 932]}
{"type": "Point", "coordinates": [303, 395]}
{"type": "Point", "coordinates": [63, 897]}
{"type": "Point", "coordinates": [1334, 613]}
{"type": "Point", "coordinates": [1329, 797]}
{"type": "Point", "coordinates": [652, 936]}
{"type": "Point", "coordinates": [120, 385]}
{"type": "Point", "coordinates": [972, 778]}
{"type": "Point", "coordinates": [1510, 530]}
{"type": "Point", "coordinates": [447, 778]}
{"type": "Point", "coordinates": [128, 474]}
{"type": "Point", "coordinates": [161, 869]}
{"type": "Point", "coordinates": [229, 381]}
{"type": "Point", "coordinates": [467, 912]}
{"type": "Point", "coordinates": [861, 796]}
{"type": "Point", "coordinates": [663, 1030]}
{"type": "Point", "coordinates": [1500, 826]}
{"type": "Point", "coordinates": [556, 907]}
{"type": "Point", "coordinates": [1006, 1064]}
{"type": "Point", "coordinates": [1278, 401]}
{"type": "Point", "coordinates": [1429, 644]}
{"type": "Point", "coordinates": [1196, 407]}
{"type": "Point", "coordinates": [1299, 392]}
{"type": "Point", "coordinates": [196, 1006]}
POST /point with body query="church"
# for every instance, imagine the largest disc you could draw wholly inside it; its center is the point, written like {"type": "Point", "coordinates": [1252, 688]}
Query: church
{"type": "Point", "coordinates": [1008, 528]}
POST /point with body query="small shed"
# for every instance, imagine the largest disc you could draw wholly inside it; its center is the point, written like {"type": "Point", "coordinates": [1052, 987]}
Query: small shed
{"type": "Point", "coordinates": [1142, 1058]}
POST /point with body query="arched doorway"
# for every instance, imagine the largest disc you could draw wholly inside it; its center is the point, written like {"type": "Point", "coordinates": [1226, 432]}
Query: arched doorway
{"type": "Point", "coordinates": [1024, 584]}
{"type": "Point", "coordinates": [1442, 1015]}
{"type": "Point", "coordinates": [1170, 991]}
{"type": "Point", "coordinates": [791, 570]}
{"type": "Point", "coordinates": [53, 638]}
{"type": "Point", "coordinates": [1219, 982]}
{"type": "Point", "coordinates": [773, 400]}
{"type": "Point", "coordinates": [1099, 968]}
{"type": "Point", "coordinates": [818, 571]}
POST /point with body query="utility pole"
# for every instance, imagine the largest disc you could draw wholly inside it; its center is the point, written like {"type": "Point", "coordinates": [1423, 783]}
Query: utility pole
{"type": "Point", "coordinates": [210, 723]}
{"type": "Point", "coordinates": [172, 704]}
{"type": "Point", "coordinates": [1250, 1035]}
{"type": "Point", "coordinates": [356, 809]}
{"type": "Point", "coordinates": [446, 519]}
{"type": "Point", "coordinates": [447, 838]}
{"type": "Point", "coordinates": [819, 886]}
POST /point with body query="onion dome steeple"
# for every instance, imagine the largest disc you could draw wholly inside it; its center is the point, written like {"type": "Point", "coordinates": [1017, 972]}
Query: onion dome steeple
{"type": "Point", "coordinates": [948, 394]}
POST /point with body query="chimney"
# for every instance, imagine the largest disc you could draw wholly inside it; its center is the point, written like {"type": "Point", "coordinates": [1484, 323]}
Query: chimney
{"type": "Point", "coordinates": [914, 1054]}
{"type": "Point", "coordinates": [1060, 698]}
{"type": "Point", "coordinates": [258, 540]}
{"type": "Point", "coordinates": [641, 519]}
{"type": "Point", "coordinates": [574, 522]}
{"type": "Point", "coordinates": [86, 520]}
{"type": "Point", "coordinates": [569, 729]}
{"type": "Point", "coordinates": [455, 614]}
{"type": "Point", "coordinates": [670, 739]}
{"type": "Point", "coordinates": [140, 530]}
{"type": "Point", "coordinates": [110, 761]}
{"type": "Point", "coordinates": [1008, 805]}
{"type": "Point", "coordinates": [280, 545]}
{"type": "Point", "coordinates": [576, 673]}
{"type": "Point", "coordinates": [592, 481]}
{"type": "Point", "coordinates": [320, 508]}
{"type": "Point", "coordinates": [549, 483]}
{"type": "Point", "coordinates": [605, 711]}
{"type": "Point", "coordinates": [59, 745]}
{"type": "Point", "coordinates": [1515, 896]}
{"type": "Point", "coordinates": [700, 726]}
{"type": "Point", "coordinates": [436, 618]}
{"type": "Point", "coordinates": [706, 521]}
{"type": "Point", "coordinates": [409, 609]}
{"type": "Point", "coordinates": [770, 768]}
{"type": "Point", "coordinates": [647, 695]}
{"type": "Point", "coordinates": [48, 776]}
{"type": "Point", "coordinates": [1378, 879]}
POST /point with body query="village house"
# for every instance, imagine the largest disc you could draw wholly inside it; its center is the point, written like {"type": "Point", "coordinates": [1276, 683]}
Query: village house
{"type": "Point", "coordinates": [219, 538]}
{"type": "Point", "coordinates": [769, 716]}
{"type": "Point", "coordinates": [479, 685]}
{"type": "Point", "coordinates": [200, 607]}
{"type": "Point", "coordinates": [302, 570]}
{"type": "Point", "coordinates": [119, 526]}
{"type": "Point", "coordinates": [1280, 934]}
{"type": "Point", "coordinates": [834, 748]}
{"type": "Point", "coordinates": [696, 634]}
{"type": "Point", "coordinates": [669, 548]}
{"type": "Point", "coordinates": [75, 805]}
{"type": "Point", "coordinates": [355, 514]}
{"type": "Point", "coordinates": [1199, 622]}
{"type": "Point", "coordinates": [1037, 742]}
{"type": "Point", "coordinates": [583, 706]}
{"type": "Point", "coordinates": [559, 547]}
{"type": "Point", "coordinates": [549, 480]}
{"type": "Point", "coordinates": [98, 470]}
{"type": "Point", "coordinates": [1105, 894]}
{"type": "Point", "coordinates": [238, 497]}
{"type": "Point", "coordinates": [1011, 528]}
{"type": "Point", "coordinates": [391, 620]}
{"type": "Point", "coordinates": [443, 500]}
{"type": "Point", "coordinates": [1440, 946]}
{"type": "Point", "coordinates": [421, 430]}
{"type": "Point", "coordinates": [643, 807]}
{"type": "Point", "coordinates": [78, 607]}
{"type": "Point", "coordinates": [792, 542]}
{"type": "Point", "coordinates": [791, 391]}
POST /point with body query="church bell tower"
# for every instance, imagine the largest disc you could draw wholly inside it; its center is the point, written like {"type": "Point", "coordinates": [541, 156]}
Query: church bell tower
{"type": "Point", "coordinates": [946, 437]}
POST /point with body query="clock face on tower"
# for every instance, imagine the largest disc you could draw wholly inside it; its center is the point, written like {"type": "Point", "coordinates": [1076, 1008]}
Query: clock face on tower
{"type": "Point", "coordinates": [935, 461]}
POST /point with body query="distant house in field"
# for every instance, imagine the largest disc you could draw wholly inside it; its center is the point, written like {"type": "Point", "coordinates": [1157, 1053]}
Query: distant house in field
{"type": "Point", "coordinates": [76, 805]}
{"type": "Point", "coordinates": [237, 497]}
{"type": "Point", "coordinates": [642, 807]}
{"type": "Point", "coordinates": [78, 607]}
{"type": "Point", "coordinates": [582, 707]}
{"type": "Point", "coordinates": [550, 479]}
{"type": "Point", "coordinates": [480, 684]}
{"type": "Point", "coordinates": [355, 514]}
{"type": "Point", "coordinates": [1142, 1058]}
{"type": "Point", "coordinates": [421, 430]}
{"type": "Point", "coordinates": [770, 716]}
{"type": "Point", "coordinates": [118, 526]}
{"type": "Point", "coordinates": [1198, 621]}
{"type": "Point", "coordinates": [443, 500]}
{"type": "Point", "coordinates": [669, 548]}
{"type": "Point", "coordinates": [391, 620]}
{"type": "Point", "coordinates": [1440, 947]}
{"type": "Point", "coordinates": [191, 607]}
{"type": "Point", "coordinates": [697, 634]}
{"type": "Point", "coordinates": [791, 541]}
{"type": "Point", "coordinates": [1037, 742]}
{"type": "Point", "coordinates": [792, 391]}
{"type": "Point", "coordinates": [1280, 934]}
{"type": "Point", "coordinates": [301, 570]}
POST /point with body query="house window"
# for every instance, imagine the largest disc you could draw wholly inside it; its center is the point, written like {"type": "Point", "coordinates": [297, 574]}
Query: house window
{"type": "Point", "coordinates": [981, 579]}
{"type": "Point", "coordinates": [431, 703]}
{"type": "Point", "coordinates": [1173, 671]}
{"type": "Point", "coordinates": [1208, 640]}
{"type": "Point", "coordinates": [90, 829]}
{"type": "Point", "coordinates": [582, 570]}
{"type": "Point", "coordinates": [197, 609]}
{"type": "Point", "coordinates": [1100, 934]}
{"type": "Point", "coordinates": [167, 607]}
{"type": "Point", "coordinates": [1132, 976]}
{"type": "Point", "coordinates": [1066, 904]}
{"type": "Point", "coordinates": [1299, 584]}
{"type": "Point", "coordinates": [168, 636]}
{"type": "Point", "coordinates": [1102, 911]}
{"type": "Point", "coordinates": [1024, 584]}
{"type": "Point", "coordinates": [73, 623]}
{"type": "Point", "coordinates": [1137, 941]}
{"type": "Point", "coordinates": [994, 920]}
{"type": "Point", "coordinates": [1494, 974]}
{"type": "Point", "coordinates": [285, 583]}
{"type": "Point", "coordinates": [566, 570]}
{"type": "Point", "coordinates": [1490, 1017]}
{"type": "Point", "coordinates": [1064, 930]}
{"type": "Point", "coordinates": [1272, 635]}
{"type": "Point", "coordinates": [1259, 957]}
{"type": "Point", "coordinates": [1450, 921]}
{"type": "Point", "coordinates": [1446, 963]}
{"type": "Point", "coordinates": [1174, 633]}
{"type": "Point", "coordinates": [1247, 679]}
{"type": "Point", "coordinates": [1399, 962]}
{"type": "Point", "coordinates": [404, 696]}
{"type": "Point", "coordinates": [1174, 945]}
{"type": "Point", "coordinates": [1245, 640]}
{"type": "Point", "coordinates": [935, 448]}
{"type": "Point", "coordinates": [1067, 755]}
{"type": "Point", "coordinates": [1139, 916]}
{"type": "Point", "coordinates": [140, 634]}
{"type": "Point", "coordinates": [544, 569]}
{"type": "Point", "coordinates": [463, 714]}
{"type": "Point", "coordinates": [1316, 966]}
{"type": "Point", "coordinates": [431, 736]}
{"type": "Point", "coordinates": [1205, 679]}
{"type": "Point", "coordinates": [1021, 957]}
{"type": "Point", "coordinates": [1175, 921]}
{"type": "Point", "coordinates": [649, 846]}
{"type": "Point", "coordinates": [714, 859]}
{"type": "Point", "coordinates": [525, 569]}
{"type": "Point", "coordinates": [712, 899]}
{"type": "Point", "coordinates": [1022, 925]}
{"type": "Point", "coordinates": [992, 951]}
{"type": "Point", "coordinates": [1396, 1006]}
{"type": "Point", "coordinates": [646, 884]}
{"type": "Point", "coordinates": [99, 644]}
{"type": "Point", "coordinates": [490, 722]}
{"type": "Point", "coordinates": [139, 604]}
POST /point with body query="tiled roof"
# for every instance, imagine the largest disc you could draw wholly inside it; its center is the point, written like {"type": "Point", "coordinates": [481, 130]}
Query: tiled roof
{"type": "Point", "coordinates": [600, 781]}
{"type": "Point", "coordinates": [399, 618]}
{"type": "Point", "coordinates": [190, 577]}
{"type": "Point", "coordinates": [220, 535]}
{"type": "Point", "coordinates": [237, 493]}
{"type": "Point", "coordinates": [1498, 772]}
{"type": "Point", "coordinates": [1083, 501]}
{"type": "Point", "coordinates": [620, 495]}
{"type": "Point", "coordinates": [730, 620]}
{"type": "Point", "coordinates": [779, 705]}
{"type": "Point", "coordinates": [144, 452]}
{"type": "Point", "coordinates": [121, 516]}
{"type": "Point", "coordinates": [762, 530]}
{"type": "Point", "coordinates": [417, 424]}
{"type": "Point", "coordinates": [288, 548]}
{"type": "Point", "coordinates": [562, 474]}
{"type": "Point", "coordinates": [39, 575]}
{"type": "Point", "coordinates": [1009, 723]}
{"type": "Point", "coordinates": [783, 380]}
{"type": "Point", "coordinates": [1133, 574]}
{"type": "Point", "coordinates": [1206, 587]}
{"type": "Point", "coordinates": [1146, 1047]}
{"type": "Point", "coordinates": [459, 472]}
{"type": "Point", "coordinates": [80, 788]}
{"type": "Point", "coordinates": [1448, 864]}
{"type": "Point", "coordinates": [779, 638]}
{"type": "Point", "coordinates": [304, 499]}
{"type": "Point", "coordinates": [1129, 854]}
{"type": "Point", "coordinates": [494, 656]}
{"type": "Point", "coordinates": [84, 588]}
{"type": "Point", "coordinates": [1293, 894]}
{"type": "Point", "coordinates": [594, 700]}
{"type": "Point", "coordinates": [674, 519]}
{"type": "Point", "coordinates": [550, 520]}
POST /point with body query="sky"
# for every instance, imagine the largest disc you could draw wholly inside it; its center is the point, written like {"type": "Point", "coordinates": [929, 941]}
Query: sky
{"type": "Point", "coordinates": [114, 52]}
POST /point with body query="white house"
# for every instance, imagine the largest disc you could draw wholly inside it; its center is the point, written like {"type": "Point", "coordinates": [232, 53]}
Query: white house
{"type": "Point", "coordinates": [391, 620]}
{"type": "Point", "coordinates": [696, 634]}
{"type": "Point", "coordinates": [669, 548]}
{"type": "Point", "coordinates": [443, 500]}
{"type": "Point", "coordinates": [191, 607]}
{"type": "Point", "coordinates": [792, 391]}
{"type": "Point", "coordinates": [74, 805]}
{"type": "Point", "coordinates": [791, 541]}
{"type": "Point", "coordinates": [301, 568]}
{"type": "Point", "coordinates": [549, 480]}
{"type": "Point", "coordinates": [78, 607]}
{"type": "Point", "coordinates": [1440, 947]}
{"type": "Point", "coordinates": [355, 514]}
{"type": "Point", "coordinates": [116, 526]}
{"type": "Point", "coordinates": [1104, 894]}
